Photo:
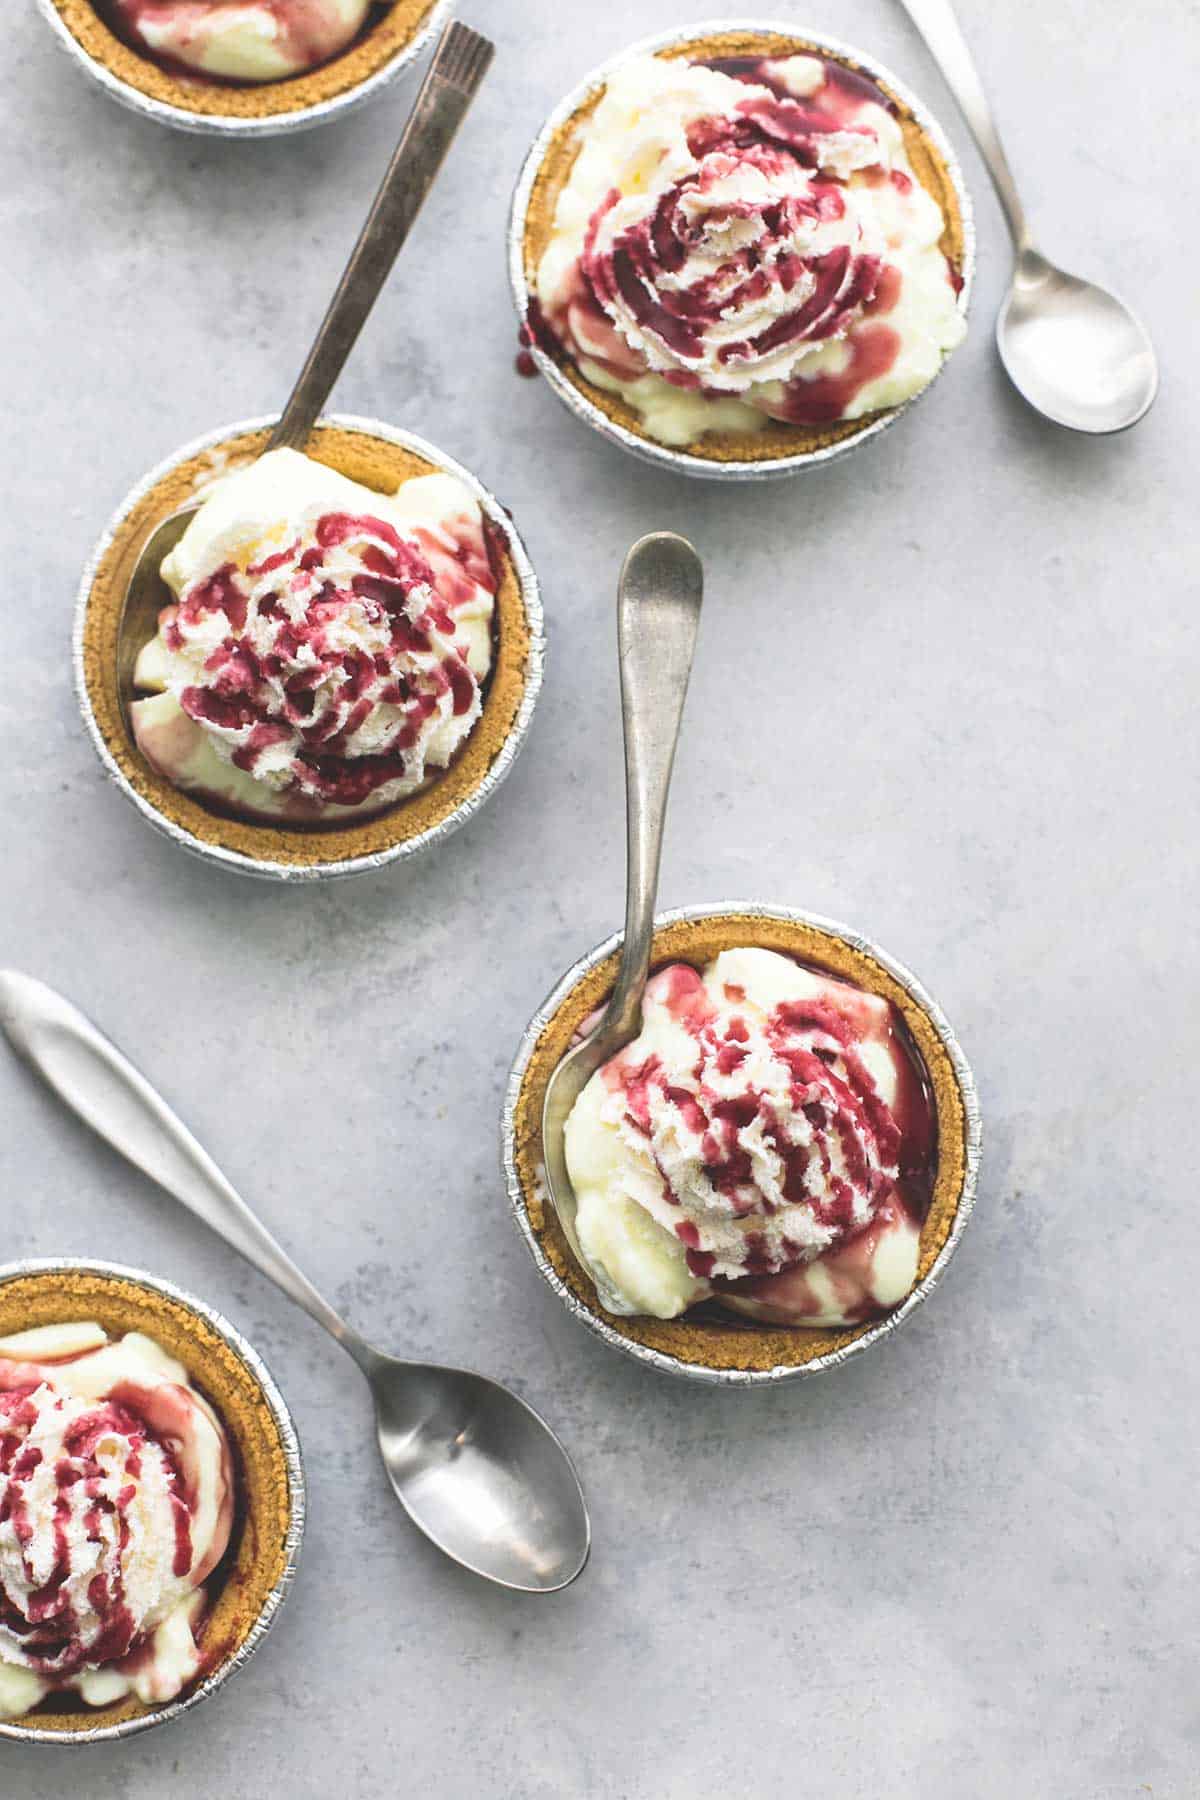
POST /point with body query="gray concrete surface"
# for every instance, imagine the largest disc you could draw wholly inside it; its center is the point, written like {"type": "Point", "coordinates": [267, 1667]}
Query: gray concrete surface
{"type": "Point", "coordinates": [945, 690]}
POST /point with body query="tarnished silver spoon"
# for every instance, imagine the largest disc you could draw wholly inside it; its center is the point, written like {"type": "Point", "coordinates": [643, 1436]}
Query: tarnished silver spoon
{"type": "Point", "coordinates": [476, 1468]}
{"type": "Point", "coordinates": [1079, 355]}
{"type": "Point", "coordinates": [459, 66]}
{"type": "Point", "coordinates": [658, 614]}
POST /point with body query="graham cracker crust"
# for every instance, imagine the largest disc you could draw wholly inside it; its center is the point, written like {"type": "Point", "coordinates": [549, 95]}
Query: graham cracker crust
{"type": "Point", "coordinates": [775, 439]}
{"type": "Point", "coordinates": [384, 38]}
{"type": "Point", "coordinates": [708, 1341]}
{"type": "Point", "coordinates": [379, 465]}
{"type": "Point", "coordinates": [261, 1522]}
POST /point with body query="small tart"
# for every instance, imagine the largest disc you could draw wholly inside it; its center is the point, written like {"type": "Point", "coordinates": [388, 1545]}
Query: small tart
{"type": "Point", "coordinates": [377, 463]}
{"type": "Point", "coordinates": [930, 163]}
{"type": "Point", "coordinates": [392, 35]}
{"type": "Point", "coordinates": [244, 1589]}
{"type": "Point", "coordinates": [714, 1342]}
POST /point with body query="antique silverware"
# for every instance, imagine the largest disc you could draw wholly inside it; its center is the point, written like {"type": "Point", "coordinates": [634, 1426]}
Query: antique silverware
{"type": "Point", "coordinates": [658, 615]}
{"type": "Point", "coordinates": [478, 1470]}
{"type": "Point", "coordinates": [1072, 349]}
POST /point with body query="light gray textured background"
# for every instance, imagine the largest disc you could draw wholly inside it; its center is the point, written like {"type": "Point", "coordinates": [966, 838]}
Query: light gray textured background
{"type": "Point", "coordinates": [946, 691]}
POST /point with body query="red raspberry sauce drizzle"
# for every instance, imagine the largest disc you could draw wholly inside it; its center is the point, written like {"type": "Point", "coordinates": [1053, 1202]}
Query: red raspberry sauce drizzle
{"type": "Point", "coordinates": [885, 1154]}
{"type": "Point", "coordinates": [49, 1631]}
{"type": "Point", "coordinates": [846, 286]}
{"type": "Point", "coordinates": [329, 691]}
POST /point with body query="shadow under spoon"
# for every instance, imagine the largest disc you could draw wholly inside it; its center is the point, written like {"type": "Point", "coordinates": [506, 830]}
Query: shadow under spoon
{"type": "Point", "coordinates": [478, 1470]}
{"type": "Point", "coordinates": [658, 616]}
{"type": "Point", "coordinates": [1076, 352]}
{"type": "Point", "coordinates": [453, 79]}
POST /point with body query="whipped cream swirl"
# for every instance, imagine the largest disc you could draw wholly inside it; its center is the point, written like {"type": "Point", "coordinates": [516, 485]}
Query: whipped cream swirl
{"type": "Point", "coordinates": [328, 643]}
{"type": "Point", "coordinates": [116, 1503]}
{"type": "Point", "coordinates": [751, 236]}
{"type": "Point", "coordinates": [747, 1145]}
{"type": "Point", "coordinates": [772, 1142]}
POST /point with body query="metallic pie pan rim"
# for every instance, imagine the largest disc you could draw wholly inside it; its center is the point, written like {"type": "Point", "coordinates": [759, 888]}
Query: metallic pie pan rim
{"type": "Point", "coordinates": [303, 118]}
{"type": "Point", "coordinates": [173, 1709]}
{"type": "Point", "coordinates": [594, 1319]}
{"type": "Point", "coordinates": [683, 462]}
{"type": "Point", "coordinates": [505, 757]}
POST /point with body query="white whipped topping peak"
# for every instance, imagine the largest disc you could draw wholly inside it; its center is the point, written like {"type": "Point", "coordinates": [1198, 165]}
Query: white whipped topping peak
{"type": "Point", "coordinates": [116, 1503]}
{"type": "Point", "coordinates": [731, 249]}
{"type": "Point", "coordinates": [746, 1134]}
{"type": "Point", "coordinates": [329, 643]}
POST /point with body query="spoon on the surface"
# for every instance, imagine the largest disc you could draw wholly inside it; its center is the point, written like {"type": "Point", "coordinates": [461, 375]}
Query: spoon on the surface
{"type": "Point", "coordinates": [475, 1467]}
{"type": "Point", "coordinates": [658, 613]}
{"type": "Point", "coordinates": [451, 83]}
{"type": "Point", "coordinates": [1072, 349]}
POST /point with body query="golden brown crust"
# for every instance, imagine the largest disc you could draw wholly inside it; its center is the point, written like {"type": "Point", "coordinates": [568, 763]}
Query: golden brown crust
{"type": "Point", "coordinates": [384, 38]}
{"type": "Point", "coordinates": [775, 439]}
{"type": "Point", "coordinates": [379, 465]}
{"type": "Point", "coordinates": [711, 1342]}
{"type": "Point", "coordinates": [239, 1590]}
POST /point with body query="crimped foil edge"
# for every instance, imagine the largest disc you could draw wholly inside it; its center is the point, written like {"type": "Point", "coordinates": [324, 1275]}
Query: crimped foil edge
{"type": "Point", "coordinates": [594, 1320]}
{"type": "Point", "coordinates": [297, 1502]}
{"type": "Point", "coordinates": [353, 865]}
{"type": "Point", "coordinates": [682, 461]}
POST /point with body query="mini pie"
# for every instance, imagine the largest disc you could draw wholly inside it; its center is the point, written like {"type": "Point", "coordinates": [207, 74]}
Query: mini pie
{"type": "Point", "coordinates": [378, 464]}
{"type": "Point", "coordinates": [775, 440]}
{"type": "Point", "coordinates": [259, 1552]}
{"type": "Point", "coordinates": [390, 31]}
{"type": "Point", "coordinates": [718, 1342]}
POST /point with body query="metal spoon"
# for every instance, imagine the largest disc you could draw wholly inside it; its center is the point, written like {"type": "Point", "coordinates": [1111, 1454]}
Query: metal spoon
{"type": "Point", "coordinates": [1076, 352]}
{"type": "Point", "coordinates": [658, 614]}
{"type": "Point", "coordinates": [475, 1467]}
{"type": "Point", "coordinates": [459, 66]}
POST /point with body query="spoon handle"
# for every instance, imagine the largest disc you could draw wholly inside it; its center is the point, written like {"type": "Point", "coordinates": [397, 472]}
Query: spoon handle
{"type": "Point", "coordinates": [90, 1074]}
{"type": "Point", "coordinates": [938, 24]}
{"type": "Point", "coordinates": [449, 87]}
{"type": "Point", "coordinates": [658, 614]}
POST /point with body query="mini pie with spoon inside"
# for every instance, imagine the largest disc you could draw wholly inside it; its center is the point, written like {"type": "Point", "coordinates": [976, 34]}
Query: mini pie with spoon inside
{"type": "Point", "coordinates": [706, 1341]}
{"type": "Point", "coordinates": [377, 459]}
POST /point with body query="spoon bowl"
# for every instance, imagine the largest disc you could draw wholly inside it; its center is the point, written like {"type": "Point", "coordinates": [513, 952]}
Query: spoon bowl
{"type": "Point", "coordinates": [562, 1091]}
{"type": "Point", "coordinates": [1073, 350]}
{"type": "Point", "coordinates": [145, 597]}
{"type": "Point", "coordinates": [475, 1468]}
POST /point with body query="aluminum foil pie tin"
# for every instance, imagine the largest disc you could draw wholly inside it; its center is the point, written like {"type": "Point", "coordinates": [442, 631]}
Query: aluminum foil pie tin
{"type": "Point", "coordinates": [682, 461]}
{"type": "Point", "coordinates": [301, 118]}
{"type": "Point", "coordinates": [592, 1316]}
{"type": "Point", "coordinates": [324, 870]}
{"type": "Point", "coordinates": [31, 1733]}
